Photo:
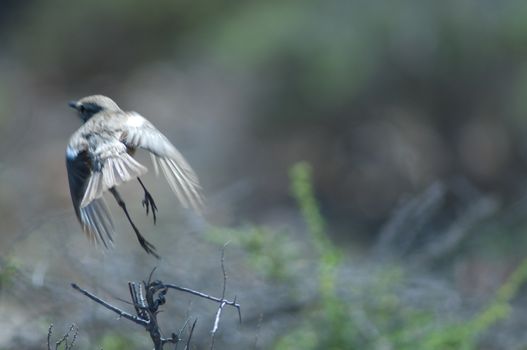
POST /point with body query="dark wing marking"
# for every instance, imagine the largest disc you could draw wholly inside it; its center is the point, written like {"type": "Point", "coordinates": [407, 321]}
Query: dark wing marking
{"type": "Point", "coordinates": [113, 166]}
{"type": "Point", "coordinates": [95, 217]}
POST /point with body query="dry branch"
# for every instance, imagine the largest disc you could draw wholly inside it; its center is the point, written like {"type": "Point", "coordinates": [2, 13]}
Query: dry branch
{"type": "Point", "coordinates": [146, 298]}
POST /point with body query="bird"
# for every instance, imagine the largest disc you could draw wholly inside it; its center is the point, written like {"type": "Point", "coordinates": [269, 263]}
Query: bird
{"type": "Point", "coordinates": [99, 158]}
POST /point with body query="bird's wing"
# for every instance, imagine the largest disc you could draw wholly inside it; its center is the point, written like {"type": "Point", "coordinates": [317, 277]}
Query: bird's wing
{"type": "Point", "coordinates": [111, 166]}
{"type": "Point", "coordinates": [95, 218]}
{"type": "Point", "coordinates": [140, 133]}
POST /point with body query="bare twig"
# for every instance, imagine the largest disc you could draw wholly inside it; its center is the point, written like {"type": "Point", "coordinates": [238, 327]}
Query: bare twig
{"type": "Point", "coordinates": [64, 340]}
{"type": "Point", "coordinates": [181, 330]}
{"type": "Point", "coordinates": [222, 304]}
{"type": "Point", "coordinates": [221, 300]}
{"type": "Point", "coordinates": [223, 270]}
{"type": "Point", "coordinates": [187, 346]}
{"type": "Point", "coordinates": [206, 296]}
{"type": "Point", "coordinates": [148, 296]}
{"type": "Point", "coordinates": [121, 313]}
{"type": "Point", "coordinates": [50, 330]}
{"type": "Point", "coordinates": [216, 323]}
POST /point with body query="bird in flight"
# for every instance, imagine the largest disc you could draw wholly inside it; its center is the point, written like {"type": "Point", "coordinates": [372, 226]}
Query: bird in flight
{"type": "Point", "coordinates": [99, 157]}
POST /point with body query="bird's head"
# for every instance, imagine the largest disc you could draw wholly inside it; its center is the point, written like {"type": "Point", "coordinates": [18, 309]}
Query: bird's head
{"type": "Point", "coordinates": [91, 105]}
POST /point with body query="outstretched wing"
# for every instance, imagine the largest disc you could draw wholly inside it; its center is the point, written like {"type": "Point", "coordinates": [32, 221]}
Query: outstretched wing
{"type": "Point", "coordinates": [95, 217]}
{"type": "Point", "coordinates": [111, 166]}
{"type": "Point", "coordinates": [140, 133]}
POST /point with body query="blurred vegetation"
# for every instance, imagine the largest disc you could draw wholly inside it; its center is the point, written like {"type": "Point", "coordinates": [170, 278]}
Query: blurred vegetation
{"type": "Point", "coordinates": [441, 84]}
{"type": "Point", "coordinates": [382, 99]}
{"type": "Point", "coordinates": [112, 341]}
{"type": "Point", "coordinates": [270, 252]}
{"type": "Point", "coordinates": [334, 314]}
{"type": "Point", "coordinates": [7, 271]}
{"type": "Point", "coordinates": [331, 324]}
{"type": "Point", "coordinates": [465, 335]}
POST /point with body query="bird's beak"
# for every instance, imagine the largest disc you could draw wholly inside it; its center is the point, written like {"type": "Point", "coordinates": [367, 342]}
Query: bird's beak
{"type": "Point", "coordinates": [73, 104]}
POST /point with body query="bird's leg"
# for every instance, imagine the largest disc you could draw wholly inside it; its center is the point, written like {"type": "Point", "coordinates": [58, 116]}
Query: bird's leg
{"type": "Point", "coordinates": [147, 246]}
{"type": "Point", "coordinates": [148, 201]}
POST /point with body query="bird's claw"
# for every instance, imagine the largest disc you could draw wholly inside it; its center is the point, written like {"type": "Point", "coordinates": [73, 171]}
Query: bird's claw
{"type": "Point", "coordinates": [147, 246]}
{"type": "Point", "coordinates": [148, 203]}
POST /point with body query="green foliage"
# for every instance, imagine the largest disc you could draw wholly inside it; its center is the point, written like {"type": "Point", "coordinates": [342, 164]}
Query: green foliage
{"type": "Point", "coordinates": [332, 315]}
{"type": "Point", "coordinates": [464, 336]}
{"type": "Point", "coordinates": [269, 252]}
{"type": "Point", "coordinates": [339, 322]}
{"type": "Point", "coordinates": [302, 188]}
{"type": "Point", "coordinates": [7, 272]}
{"type": "Point", "coordinates": [112, 341]}
{"type": "Point", "coordinates": [368, 314]}
{"type": "Point", "coordinates": [331, 59]}
{"type": "Point", "coordinates": [101, 31]}
{"type": "Point", "coordinates": [371, 315]}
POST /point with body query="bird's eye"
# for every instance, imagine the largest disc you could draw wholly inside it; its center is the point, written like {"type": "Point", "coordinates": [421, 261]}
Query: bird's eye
{"type": "Point", "coordinates": [82, 108]}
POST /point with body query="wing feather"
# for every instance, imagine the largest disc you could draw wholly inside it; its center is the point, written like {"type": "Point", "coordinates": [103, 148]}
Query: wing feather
{"type": "Point", "coordinates": [114, 166]}
{"type": "Point", "coordinates": [140, 133]}
{"type": "Point", "coordinates": [94, 218]}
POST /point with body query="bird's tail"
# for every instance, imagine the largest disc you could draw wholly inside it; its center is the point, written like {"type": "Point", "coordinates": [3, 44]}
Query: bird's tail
{"type": "Point", "coordinates": [115, 171]}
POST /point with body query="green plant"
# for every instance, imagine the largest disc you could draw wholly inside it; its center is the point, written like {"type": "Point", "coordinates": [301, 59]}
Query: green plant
{"type": "Point", "coordinates": [7, 272]}
{"type": "Point", "coordinates": [465, 336]}
{"type": "Point", "coordinates": [112, 341]}
{"type": "Point", "coordinates": [368, 313]}
{"type": "Point", "coordinates": [269, 252]}
{"type": "Point", "coordinates": [333, 314]}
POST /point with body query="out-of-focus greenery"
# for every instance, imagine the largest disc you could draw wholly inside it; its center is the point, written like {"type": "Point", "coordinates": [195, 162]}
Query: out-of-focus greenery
{"type": "Point", "coordinates": [383, 98]}
{"type": "Point", "coordinates": [465, 335]}
{"type": "Point", "coordinates": [333, 313]}
{"type": "Point", "coordinates": [269, 252]}
{"type": "Point", "coordinates": [331, 325]}
{"type": "Point", "coordinates": [302, 189]}
{"type": "Point", "coordinates": [116, 342]}
{"type": "Point", "coordinates": [117, 36]}
{"type": "Point", "coordinates": [7, 271]}
{"type": "Point", "coordinates": [425, 78]}
{"type": "Point", "coordinates": [359, 315]}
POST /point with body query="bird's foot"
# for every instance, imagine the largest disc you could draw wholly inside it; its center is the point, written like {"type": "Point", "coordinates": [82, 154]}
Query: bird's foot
{"type": "Point", "coordinates": [147, 246]}
{"type": "Point", "coordinates": [149, 204]}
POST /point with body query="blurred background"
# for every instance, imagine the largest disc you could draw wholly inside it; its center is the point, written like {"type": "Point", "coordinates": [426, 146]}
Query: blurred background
{"type": "Point", "coordinates": [403, 227]}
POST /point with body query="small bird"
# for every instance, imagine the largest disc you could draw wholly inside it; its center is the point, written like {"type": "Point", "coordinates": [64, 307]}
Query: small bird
{"type": "Point", "coordinates": [99, 157]}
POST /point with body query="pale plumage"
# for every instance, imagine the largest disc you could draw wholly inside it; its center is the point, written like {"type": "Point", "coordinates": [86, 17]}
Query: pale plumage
{"type": "Point", "coordinates": [99, 158]}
